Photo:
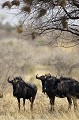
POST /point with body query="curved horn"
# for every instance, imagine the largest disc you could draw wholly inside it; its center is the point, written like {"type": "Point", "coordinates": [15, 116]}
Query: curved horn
{"type": "Point", "coordinates": [20, 77]}
{"type": "Point", "coordinates": [8, 79]}
{"type": "Point", "coordinates": [37, 76]}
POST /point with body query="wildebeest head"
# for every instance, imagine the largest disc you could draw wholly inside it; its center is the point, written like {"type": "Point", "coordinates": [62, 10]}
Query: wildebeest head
{"type": "Point", "coordinates": [15, 83]}
{"type": "Point", "coordinates": [14, 80]}
{"type": "Point", "coordinates": [43, 78]}
{"type": "Point", "coordinates": [51, 83]}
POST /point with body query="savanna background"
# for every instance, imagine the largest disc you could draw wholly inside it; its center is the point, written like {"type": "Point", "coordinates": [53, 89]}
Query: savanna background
{"type": "Point", "coordinates": [22, 56]}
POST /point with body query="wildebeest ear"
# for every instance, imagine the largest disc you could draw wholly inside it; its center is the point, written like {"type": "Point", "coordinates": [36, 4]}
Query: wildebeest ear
{"type": "Point", "coordinates": [45, 74]}
{"type": "Point", "coordinates": [48, 75]}
{"type": "Point", "coordinates": [20, 78]}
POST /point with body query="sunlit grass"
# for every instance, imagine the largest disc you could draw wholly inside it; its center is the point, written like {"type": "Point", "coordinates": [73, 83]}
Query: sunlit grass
{"type": "Point", "coordinates": [9, 109]}
{"type": "Point", "coordinates": [26, 60]}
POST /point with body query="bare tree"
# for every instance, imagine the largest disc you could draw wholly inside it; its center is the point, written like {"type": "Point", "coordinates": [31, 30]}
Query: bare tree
{"type": "Point", "coordinates": [44, 16]}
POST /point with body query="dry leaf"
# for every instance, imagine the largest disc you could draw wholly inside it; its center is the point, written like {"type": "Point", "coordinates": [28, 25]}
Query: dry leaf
{"type": "Point", "coordinates": [33, 35]}
{"type": "Point", "coordinates": [20, 29]}
{"type": "Point", "coordinates": [15, 2]}
{"type": "Point", "coordinates": [62, 3]}
{"type": "Point", "coordinates": [42, 12]}
{"type": "Point", "coordinates": [7, 3]}
{"type": "Point", "coordinates": [26, 9]}
{"type": "Point", "coordinates": [28, 1]}
{"type": "Point", "coordinates": [64, 22]}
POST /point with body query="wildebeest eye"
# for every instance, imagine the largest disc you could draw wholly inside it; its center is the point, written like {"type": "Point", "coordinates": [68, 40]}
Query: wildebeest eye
{"type": "Point", "coordinates": [15, 81]}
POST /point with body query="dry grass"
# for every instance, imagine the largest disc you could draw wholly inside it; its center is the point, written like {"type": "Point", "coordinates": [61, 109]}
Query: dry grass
{"type": "Point", "coordinates": [9, 109]}
{"type": "Point", "coordinates": [27, 60]}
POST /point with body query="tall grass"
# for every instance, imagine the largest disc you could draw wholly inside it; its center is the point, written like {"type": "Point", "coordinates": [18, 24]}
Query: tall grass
{"type": "Point", "coordinates": [25, 59]}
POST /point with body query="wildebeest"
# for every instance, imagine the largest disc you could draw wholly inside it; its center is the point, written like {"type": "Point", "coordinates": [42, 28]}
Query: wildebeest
{"type": "Point", "coordinates": [23, 90]}
{"type": "Point", "coordinates": [62, 87]}
{"type": "Point", "coordinates": [43, 78]}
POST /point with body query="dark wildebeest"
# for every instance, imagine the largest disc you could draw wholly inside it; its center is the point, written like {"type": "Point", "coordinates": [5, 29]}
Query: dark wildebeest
{"type": "Point", "coordinates": [23, 90]}
{"type": "Point", "coordinates": [72, 86]}
{"type": "Point", "coordinates": [62, 88]}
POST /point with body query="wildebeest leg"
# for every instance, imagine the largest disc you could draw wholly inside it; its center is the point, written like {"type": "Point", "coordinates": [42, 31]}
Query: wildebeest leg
{"type": "Point", "coordinates": [24, 103]}
{"type": "Point", "coordinates": [32, 100]}
{"type": "Point", "coordinates": [19, 103]}
{"type": "Point", "coordinates": [52, 101]}
{"type": "Point", "coordinates": [70, 102]}
{"type": "Point", "coordinates": [75, 103]}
